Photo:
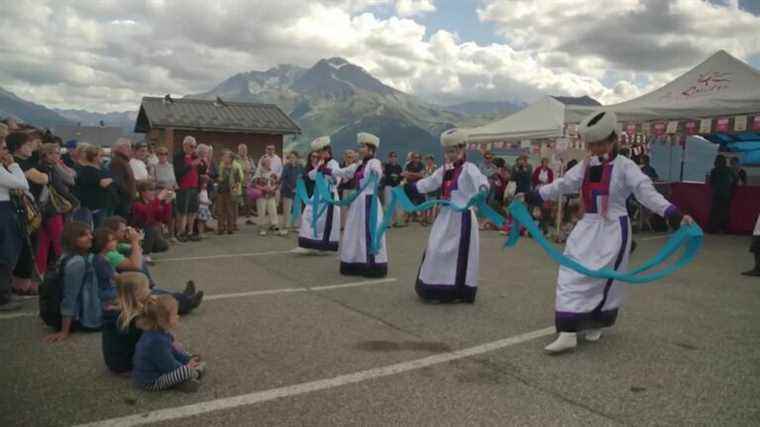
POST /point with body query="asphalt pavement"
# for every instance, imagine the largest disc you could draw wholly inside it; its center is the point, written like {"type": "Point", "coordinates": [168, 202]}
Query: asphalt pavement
{"type": "Point", "coordinates": [289, 341]}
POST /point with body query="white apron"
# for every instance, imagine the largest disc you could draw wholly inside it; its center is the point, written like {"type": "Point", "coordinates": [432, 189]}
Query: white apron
{"type": "Point", "coordinates": [602, 238]}
{"type": "Point", "coordinates": [449, 269]}
{"type": "Point", "coordinates": [355, 259]}
{"type": "Point", "coordinates": [328, 224]}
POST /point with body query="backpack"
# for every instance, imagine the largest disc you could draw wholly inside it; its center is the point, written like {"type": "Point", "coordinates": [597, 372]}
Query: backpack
{"type": "Point", "coordinates": [51, 295]}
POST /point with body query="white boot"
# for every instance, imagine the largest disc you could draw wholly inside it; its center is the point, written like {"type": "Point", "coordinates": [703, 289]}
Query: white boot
{"type": "Point", "coordinates": [564, 342]}
{"type": "Point", "coordinates": [301, 251]}
{"type": "Point", "coordinates": [592, 335]}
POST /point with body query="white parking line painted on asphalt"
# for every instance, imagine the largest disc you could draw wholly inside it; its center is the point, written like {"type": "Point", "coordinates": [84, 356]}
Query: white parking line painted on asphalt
{"type": "Point", "coordinates": [6, 316]}
{"type": "Point", "coordinates": [292, 290]}
{"type": "Point", "coordinates": [308, 387]}
{"type": "Point", "coordinates": [661, 236]}
{"type": "Point", "coordinates": [199, 258]}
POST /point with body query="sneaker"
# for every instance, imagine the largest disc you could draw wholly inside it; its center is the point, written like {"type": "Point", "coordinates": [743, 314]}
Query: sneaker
{"type": "Point", "coordinates": [262, 233]}
{"type": "Point", "coordinates": [173, 240]}
{"type": "Point", "coordinates": [182, 238]}
{"type": "Point", "coordinates": [201, 369]}
{"type": "Point", "coordinates": [195, 238]}
{"type": "Point", "coordinates": [189, 386]}
{"type": "Point", "coordinates": [149, 261]}
{"type": "Point", "coordinates": [249, 222]}
{"type": "Point", "coordinates": [189, 288]}
{"type": "Point", "coordinates": [283, 232]}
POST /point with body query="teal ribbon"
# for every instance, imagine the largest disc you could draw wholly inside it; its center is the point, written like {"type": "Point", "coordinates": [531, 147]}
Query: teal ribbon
{"type": "Point", "coordinates": [688, 236]}
{"type": "Point", "coordinates": [399, 198]}
{"type": "Point", "coordinates": [302, 197]}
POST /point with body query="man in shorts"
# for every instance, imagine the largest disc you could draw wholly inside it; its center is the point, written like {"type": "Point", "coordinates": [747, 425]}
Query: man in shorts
{"type": "Point", "coordinates": [188, 168]}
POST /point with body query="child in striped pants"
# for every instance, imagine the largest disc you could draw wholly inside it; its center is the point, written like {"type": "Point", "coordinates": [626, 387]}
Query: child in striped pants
{"type": "Point", "coordinates": [159, 362]}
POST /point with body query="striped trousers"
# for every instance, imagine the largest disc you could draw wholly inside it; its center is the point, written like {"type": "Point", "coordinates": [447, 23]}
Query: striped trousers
{"type": "Point", "coordinates": [173, 378]}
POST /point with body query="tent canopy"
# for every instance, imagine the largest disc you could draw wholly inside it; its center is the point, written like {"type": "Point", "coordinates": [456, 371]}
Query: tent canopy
{"type": "Point", "coordinates": [543, 119]}
{"type": "Point", "coordinates": [722, 85]}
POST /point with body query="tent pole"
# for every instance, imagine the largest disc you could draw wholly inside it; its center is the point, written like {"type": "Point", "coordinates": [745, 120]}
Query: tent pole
{"type": "Point", "coordinates": [683, 158]}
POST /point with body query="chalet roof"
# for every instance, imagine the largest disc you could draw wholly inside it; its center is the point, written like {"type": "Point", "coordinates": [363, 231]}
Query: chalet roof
{"type": "Point", "coordinates": [218, 116]}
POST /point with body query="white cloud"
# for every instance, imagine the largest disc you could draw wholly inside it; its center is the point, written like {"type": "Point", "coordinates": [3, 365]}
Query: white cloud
{"type": "Point", "coordinates": [406, 8]}
{"type": "Point", "coordinates": [106, 55]}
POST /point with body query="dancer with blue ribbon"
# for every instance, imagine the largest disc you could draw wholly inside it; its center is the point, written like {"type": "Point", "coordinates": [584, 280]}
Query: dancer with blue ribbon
{"type": "Point", "coordinates": [450, 264]}
{"type": "Point", "coordinates": [588, 297]}
{"type": "Point", "coordinates": [320, 223]}
{"type": "Point", "coordinates": [357, 256]}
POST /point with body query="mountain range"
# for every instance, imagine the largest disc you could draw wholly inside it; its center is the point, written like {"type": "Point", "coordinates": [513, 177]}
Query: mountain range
{"type": "Point", "coordinates": [340, 99]}
{"type": "Point", "coordinates": [334, 97]}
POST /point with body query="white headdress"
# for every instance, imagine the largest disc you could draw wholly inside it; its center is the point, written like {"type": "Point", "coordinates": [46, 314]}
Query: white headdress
{"type": "Point", "coordinates": [367, 138]}
{"type": "Point", "coordinates": [320, 143]}
{"type": "Point", "coordinates": [598, 126]}
{"type": "Point", "coordinates": [454, 137]}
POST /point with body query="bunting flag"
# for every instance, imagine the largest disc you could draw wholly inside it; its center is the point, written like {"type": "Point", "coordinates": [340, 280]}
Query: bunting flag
{"type": "Point", "coordinates": [705, 126]}
{"type": "Point", "coordinates": [740, 123]}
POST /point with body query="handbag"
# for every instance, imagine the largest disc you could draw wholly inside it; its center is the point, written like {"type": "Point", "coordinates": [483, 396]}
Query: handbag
{"type": "Point", "coordinates": [61, 204]}
{"type": "Point", "coordinates": [29, 212]}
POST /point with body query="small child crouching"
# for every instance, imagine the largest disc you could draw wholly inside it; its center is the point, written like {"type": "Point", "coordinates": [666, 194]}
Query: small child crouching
{"type": "Point", "coordinates": [159, 364]}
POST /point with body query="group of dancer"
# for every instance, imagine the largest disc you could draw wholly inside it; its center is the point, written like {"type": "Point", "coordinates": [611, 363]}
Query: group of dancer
{"type": "Point", "coordinates": [449, 267]}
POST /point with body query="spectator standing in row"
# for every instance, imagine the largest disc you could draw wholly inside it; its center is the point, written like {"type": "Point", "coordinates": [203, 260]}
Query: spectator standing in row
{"type": "Point", "coordinates": [290, 173]}
{"type": "Point", "coordinates": [275, 162]}
{"type": "Point", "coordinates": [249, 168]}
{"type": "Point", "coordinates": [12, 238]}
{"type": "Point", "coordinates": [741, 174]}
{"type": "Point", "coordinates": [93, 186]}
{"type": "Point", "coordinates": [522, 174]}
{"type": "Point", "coordinates": [188, 168]}
{"type": "Point", "coordinates": [391, 178]}
{"type": "Point", "coordinates": [648, 169]}
{"type": "Point", "coordinates": [22, 146]}
{"type": "Point", "coordinates": [430, 214]}
{"type": "Point", "coordinates": [163, 172]}
{"type": "Point", "coordinates": [49, 234]}
{"type": "Point", "coordinates": [488, 167]}
{"type": "Point", "coordinates": [542, 175]}
{"type": "Point", "coordinates": [722, 180]}
{"type": "Point", "coordinates": [228, 187]}
{"type": "Point", "coordinates": [123, 177]}
{"type": "Point", "coordinates": [414, 172]}
{"type": "Point", "coordinates": [267, 182]}
{"type": "Point", "coordinates": [138, 162]}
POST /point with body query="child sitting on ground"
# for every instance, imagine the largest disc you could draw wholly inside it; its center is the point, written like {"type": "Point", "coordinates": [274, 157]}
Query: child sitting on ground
{"type": "Point", "coordinates": [120, 334]}
{"type": "Point", "coordinates": [265, 181]}
{"type": "Point", "coordinates": [149, 213]}
{"type": "Point", "coordinates": [158, 363]}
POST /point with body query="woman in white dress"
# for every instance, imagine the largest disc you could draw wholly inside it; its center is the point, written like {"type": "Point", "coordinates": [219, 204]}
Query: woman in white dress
{"type": "Point", "coordinates": [602, 238]}
{"type": "Point", "coordinates": [327, 233]}
{"type": "Point", "coordinates": [449, 270]}
{"type": "Point", "coordinates": [356, 258]}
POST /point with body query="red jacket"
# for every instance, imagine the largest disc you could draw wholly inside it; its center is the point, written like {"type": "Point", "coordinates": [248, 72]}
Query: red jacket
{"type": "Point", "coordinates": [537, 172]}
{"type": "Point", "coordinates": [150, 214]}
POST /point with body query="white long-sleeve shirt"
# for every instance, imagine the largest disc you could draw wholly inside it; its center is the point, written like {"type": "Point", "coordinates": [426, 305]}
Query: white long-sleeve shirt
{"type": "Point", "coordinates": [12, 179]}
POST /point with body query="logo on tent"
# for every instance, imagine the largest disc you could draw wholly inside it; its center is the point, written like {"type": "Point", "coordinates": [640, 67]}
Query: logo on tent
{"type": "Point", "coordinates": [706, 83]}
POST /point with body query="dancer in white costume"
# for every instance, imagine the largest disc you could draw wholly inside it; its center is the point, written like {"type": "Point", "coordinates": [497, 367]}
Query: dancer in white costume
{"type": "Point", "coordinates": [328, 224]}
{"type": "Point", "coordinates": [449, 270]}
{"type": "Point", "coordinates": [355, 256]}
{"type": "Point", "coordinates": [602, 238]}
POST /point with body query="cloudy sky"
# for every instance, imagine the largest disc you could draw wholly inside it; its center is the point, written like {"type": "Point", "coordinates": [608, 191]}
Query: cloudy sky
{"type": "Point", "coordinates": [104, 55]}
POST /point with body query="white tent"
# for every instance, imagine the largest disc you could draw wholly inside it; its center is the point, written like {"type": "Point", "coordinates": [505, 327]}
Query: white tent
{"type": "Point", "coordinates": [542, 120]}
{"type": "Point", "coordinates": [722, 85]}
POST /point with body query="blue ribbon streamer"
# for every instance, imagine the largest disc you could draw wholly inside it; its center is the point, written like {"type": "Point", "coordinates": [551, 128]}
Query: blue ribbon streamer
{"type": "Point", "coordinates": [688, 236]}
{"type": "Point", "coordinates": [399, 197]}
